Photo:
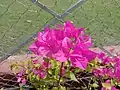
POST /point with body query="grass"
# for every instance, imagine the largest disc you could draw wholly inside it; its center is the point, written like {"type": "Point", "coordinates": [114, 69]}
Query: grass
{"type": "Point", "coordinates": [102, 18]}
{"type": "Point", "coordinates": [19, 19]}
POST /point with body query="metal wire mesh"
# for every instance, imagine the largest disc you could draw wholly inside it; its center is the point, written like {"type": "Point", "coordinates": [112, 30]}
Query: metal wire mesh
{"type": "Point", "coordinates": [101, 18]}
{"type": "Point", "coordinates": [8, 81]}
{"type": "Point", "coordinates": [20, 20]}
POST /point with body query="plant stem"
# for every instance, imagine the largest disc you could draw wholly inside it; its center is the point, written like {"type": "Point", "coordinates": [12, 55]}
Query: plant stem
{"type": "Point", "coordinates": [47, 65]}
{"type": "Point", "coordinates": [60, 75]}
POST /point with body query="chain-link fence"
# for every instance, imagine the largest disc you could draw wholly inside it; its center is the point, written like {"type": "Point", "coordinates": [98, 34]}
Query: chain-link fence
{"type": "Point", "coordinates": [20, 20]}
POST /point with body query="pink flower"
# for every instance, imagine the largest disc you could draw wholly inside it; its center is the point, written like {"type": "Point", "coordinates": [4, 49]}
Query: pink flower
{"type": "Point", "coordinates": [35, 62]}
{"type": "Point", "coordinates": [70, 30]}
{"type": "Point", "coordinates": [21, 77]}
{"type": "Point", "coordinates": [63, 53]}
{"type": "Point", "coordinates": [84, 39]}
{"type": "Point", "coordinates": [78, 61]}
{"type": "Point", "coordinates": [108, 71]}
{"type": "Point", "coordinates": [68, 43]}
{"type": "Point", "coordinates": [87, 41]}
{"type": "Point", "coordinates": [90, 55]}
{"type": "Point", "coordinates": [60, 56]}
{"type": "Point", "coordinates": [34, 48]}
{"type": "Point", "coordinates": [46, 44]}
{"type": "Point", "coordinates": [24, 81]}
{"type": "Point", "coordinates": [116, 59]}
{"type": "Point", "coordinates": [21, 73]}
{"type": "Point", "coordinates": [107, 60]}
{"type": "Point", "coordinates": [101, 55]}
{"type": "Point", "coordinates": [59, 34]}
{"type": "Point", "coordinates": [114, 88]}
{"type": "Point", "coordinates": [98, 72]}
{"type": "Point", "coordinates": [39, 48]}
{"type": "Point", "coordinates": [117, 69]}
{"type": "Point", "coordinates": [45, 65]}
{"type": "Point", "coordinates": [42, 70]}
{"type": "Point", "coordinates": [104, 71]}
{"type": "Point", "coordinates": [42, 74]}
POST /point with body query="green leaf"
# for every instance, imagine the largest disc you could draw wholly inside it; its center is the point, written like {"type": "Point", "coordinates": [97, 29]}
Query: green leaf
{"type": "Point", "coordinates": [107, 85]}
{"type": "Point", "coordinates": [37, 77]}
{"type": "Point", "coordinates": [95, 85]}
{"type": "Point", "coordinates": [50, 71]}
{"type": "Point", "coordinates": [57, 70]}
{"type": "Point", "coordinates": [72, 76]}
{"type": "Point", "coordinates": [55, 88]}
{"type": "Point", "coordinates": [42, 82]}
{"type": "Point", "coordinates": [61, 88]}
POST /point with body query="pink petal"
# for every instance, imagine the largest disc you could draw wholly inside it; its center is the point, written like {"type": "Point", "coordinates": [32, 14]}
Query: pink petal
{"type": "Point", "coordinates": [60, 56]}
{"type": "Point", "coordinates": [43, 51]}
{"type": "Point", "coordinates": [59, 34]}
{"type": "Point", "coordinates": [19, 79]}
{"type": "Point", "coordinates": [69, 29]}
{"type": "Point", "coordinates": [113, 88]}
{"type": "Point", "coordinates": [24, 81]}
{"type": "Point", "coordinates": [79, 61]}
{"type": "Point", "coordinates": [35, 62]}
{"type": "Point", "coordinates": [34, 48]}
{"type": "Point", "coordinates": [66, 45]}
{"type": "Point", "coordinates": [42, 74]}
{"type": "Point", "coordinates": [90, 55]}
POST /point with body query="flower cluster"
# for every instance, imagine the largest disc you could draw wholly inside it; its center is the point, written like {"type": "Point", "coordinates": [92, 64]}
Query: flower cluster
{"type": "Point", "coordinates": [109, 66]}
{"type": "Point", "coordinates": [21, 78]}
{"type": "Point", "coordinates": [108, 69]}
{"type": "Point", "coordinates": [64, 49]}
{"type": "Point", "coordinates": [66, 43]}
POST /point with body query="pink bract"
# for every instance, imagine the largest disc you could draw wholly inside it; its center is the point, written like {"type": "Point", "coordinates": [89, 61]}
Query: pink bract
{"type": "Point", "coordinates": [61, 43]}
{"type": "Point", "coordinates": [117, 69]}
{"type": "Point", "coordinates": [69, 46]}
{"type": "Point", "coordinates": [41, 73]}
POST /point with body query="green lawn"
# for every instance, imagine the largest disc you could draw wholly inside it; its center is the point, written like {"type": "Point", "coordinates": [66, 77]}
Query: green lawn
{"type": "Point", "coordinates": [102, 18]}
{"type": "Point", "coordinates": [19, 19]}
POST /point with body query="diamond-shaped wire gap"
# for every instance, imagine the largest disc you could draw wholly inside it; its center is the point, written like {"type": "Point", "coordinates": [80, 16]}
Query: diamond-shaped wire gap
{"type": "Point", "coordinates": [98, 18]}
{"type": "Point", "coordinates": [16, 26]}
{"type": "Point", "coordinates": [56, 22]}
{"type": "Point", "coordinates": [6, 6]}
{"type": "Point", "coordinates": [5, 3]}
{"type": "Point", "coordinates": [8, 80]}
{"type": "Point", "coordinates": [25, 49]}
{"type": "Point", "coordinates": [2, 9]}
{"type": "Point", "coordinates": [58, 6]}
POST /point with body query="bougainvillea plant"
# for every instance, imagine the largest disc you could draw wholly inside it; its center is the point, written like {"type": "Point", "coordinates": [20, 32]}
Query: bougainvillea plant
{"type": "Point", "coordinates": [62, 56]}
